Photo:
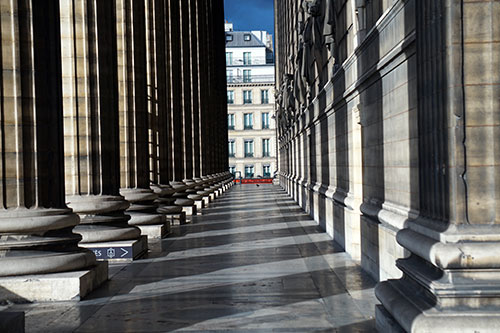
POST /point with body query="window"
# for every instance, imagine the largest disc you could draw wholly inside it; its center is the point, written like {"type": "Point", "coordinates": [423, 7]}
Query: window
{"type": "Point", "coordinates": [247, 76]}
{"type": "Point", "coordinates": [248, 121]}
{"type": "Point", "coordinates": [232, 169]}
{"type": "Point", "coordinates": [265, 147]}
{"type": "Point", "coordinates": [230, 148]}
{"type": "Point", "coordinates": [249, 148]}
{"type": "Point", "coordinates": [266, 171]}
{"type": "Point", "coordinates": [265, 120]}
{"type": "Point", "coordinates": [229, 58]}
{"type": "Point", "coordinates": [264, 96]}
{"type": "Point", "coordinates": [230, 121]}
{"type": "Point", "coordinates": [247, 37]}
{"type": "Point", "coordinates": [247, 58]}
{"type": "Point", "coordinates": [248, 171]}
{"type": "Point", "coordinates": [229, 38]}
{"type": "Point", "coordinates": [230, 97]}
{"type": "Point", "coordinates": [247, 97]}
{"type": "Point", "coordinates": [229, 75]}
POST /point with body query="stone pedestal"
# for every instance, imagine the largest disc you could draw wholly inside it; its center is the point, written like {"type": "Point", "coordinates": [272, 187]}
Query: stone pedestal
{"type": "Point", "coordinates": [177, 219]}
{"type": "Point", "coordinates": [166, 201]}
{"type": "Point", "coordinates": [119, 251]}
{"type": "Point", "coordinates": [456, 277]}
{"type": "Point", "coordinates": [103, 222]}
{"type": "Point", "coordinates": [206, 200]}
{"type": "Point", "coordinates": [156, 231]}
{"type": "Point", "coordinates": [189, 210]}
{"type": "Point", "coordinates": [66, 286]}
{"type": "Point", "coordinates": [199, 204]}
{"type": "Point", "coordinates": [143, 212]}
{"type": "Point", "coordinates": [181, 198]}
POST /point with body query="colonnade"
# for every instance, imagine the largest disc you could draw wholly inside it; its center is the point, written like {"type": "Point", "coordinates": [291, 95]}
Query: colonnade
{"type": "Point", "coordinates": [113, 123]}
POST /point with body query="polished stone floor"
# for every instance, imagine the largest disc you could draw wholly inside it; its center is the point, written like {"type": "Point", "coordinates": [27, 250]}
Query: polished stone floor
{"type": "Point", "coordinates": [252, 262]}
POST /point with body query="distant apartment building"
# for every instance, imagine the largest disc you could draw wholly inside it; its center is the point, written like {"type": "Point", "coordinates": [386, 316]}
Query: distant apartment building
{"type": "Point", "coordinates": [250, 98]}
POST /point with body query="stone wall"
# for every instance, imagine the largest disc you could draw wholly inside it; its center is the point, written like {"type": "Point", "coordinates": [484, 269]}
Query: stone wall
{"type": "Point", "coordinates": [352, 148]}
{"type": "Point", "coordinates": [390, 142]}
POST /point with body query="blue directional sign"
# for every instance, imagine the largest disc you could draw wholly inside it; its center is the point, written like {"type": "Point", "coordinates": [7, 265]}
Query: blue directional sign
{"type": "Point", "coordinates": [106, 253]}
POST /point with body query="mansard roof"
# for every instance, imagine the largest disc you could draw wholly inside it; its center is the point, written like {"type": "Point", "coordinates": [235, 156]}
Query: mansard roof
{"type": "Point", "coordinates": [238, 39]}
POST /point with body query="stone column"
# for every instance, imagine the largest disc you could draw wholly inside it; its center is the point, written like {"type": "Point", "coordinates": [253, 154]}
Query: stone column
{"type": "Point", "coordinates": [222, 154]}
{"type": "Point", "coordinates": [91, 128]}
{"type": "Point", "coordinates": [175, 77]}
{"type": "Point", "coordinates": [36, 236]}
{"type": "Point", "coordinates": [159, 100]}
{"type": "Point", "coordinates": [210, 148]}
{"type": "Point", "coordinates": [195, 183]}
{"type": "Point", "coordinates": [204, 79]}
{"type": "Point", "coordinates": [133, 117]}
{"type": "Point", "coordinates": [187, 92]}
{"type": "Point", "coordinates": [451, 280]}
{"type": "Point", "coordinates": [181, 112]}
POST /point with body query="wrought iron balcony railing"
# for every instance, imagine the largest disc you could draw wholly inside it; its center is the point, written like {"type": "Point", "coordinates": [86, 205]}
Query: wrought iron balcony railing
{"type": "Point", "coordinates": [250, 79]}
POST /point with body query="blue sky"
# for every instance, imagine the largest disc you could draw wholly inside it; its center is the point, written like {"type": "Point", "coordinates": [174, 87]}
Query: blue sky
{"type": "Point", "coordinates": [250, 14]}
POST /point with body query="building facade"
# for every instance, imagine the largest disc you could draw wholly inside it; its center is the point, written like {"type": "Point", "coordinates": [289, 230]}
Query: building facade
{"type": "Point", "coordinates": [250, 99]}
{"type": "Point", "coordinates": [388, 130]}
{"type": "Point", "coordinates": [113, 120]}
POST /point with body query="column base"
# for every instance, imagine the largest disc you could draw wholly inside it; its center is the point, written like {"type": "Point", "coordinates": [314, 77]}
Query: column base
{"type": "Point", "coordinates": [155, 231]}
{"type": "Point", "coordinates": [385, 322]}
{"type": "Point", "coordinates": [12, 322]}
{"type": "Point", "coordinates": [189, 210]}
{"type": "Point", "coordinates": [65, 286]}
{"type": "Point", "coordinates": [206, 201]}
{"type": "Point", "coordinates": [407, 311]}
{"type": "Point", "coordinates": [199, 204]}
{"type": "Point", "coordinates": [177, 219]}
{"type": "Point", "coordinates": [119, 251]}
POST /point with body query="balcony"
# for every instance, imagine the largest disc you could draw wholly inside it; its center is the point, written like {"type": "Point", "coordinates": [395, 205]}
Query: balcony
{"type": "Point", "coordinates": [250, 79]}
{"type": "Point", "coordinates": [248, 154]}
{"type": "Point", "coordinates": [251, 61]}
{"type": "Point", "coordinates": [248, 127]}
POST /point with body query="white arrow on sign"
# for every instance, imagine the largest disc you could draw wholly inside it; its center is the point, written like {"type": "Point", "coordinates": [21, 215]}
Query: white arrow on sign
{"type": "Point", "coordinates": [125, 252]}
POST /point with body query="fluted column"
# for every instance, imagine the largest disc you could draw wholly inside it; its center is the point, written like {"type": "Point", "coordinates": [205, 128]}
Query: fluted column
{"type": "Point", "coordinates": [187, 87]}
{"type": "Point", "coordinates": [133, 112]}
{"type": "Point", "coordinates": [193, 179]}
{"type": "Point", "coordinates": [204, 77]}
{"type": "Point", "coordinates": [196, 44]}
{"type": "Point", "coordinates": [36, 226]}
{"type": "Point", "coordinates": [202, 116]}
{"type": "Point", "coordinates": [212, 88]}
{"type": "Point", "coordinates": [91, 122]}
{"type": "Point", "coordinates": [159, 108]}
{"type": "Point", "coordinates": [179, 80]}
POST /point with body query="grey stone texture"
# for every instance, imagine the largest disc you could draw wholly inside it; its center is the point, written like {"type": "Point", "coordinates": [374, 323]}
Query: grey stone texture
{"type": "Point", "coordinates": [91, 105]}
{"type": "Point", "coordinates": [394, 151]}
{"type": "Point", "coordinates": [36, 226]}
{"type": "Point", "coordinates": [253, 262]}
